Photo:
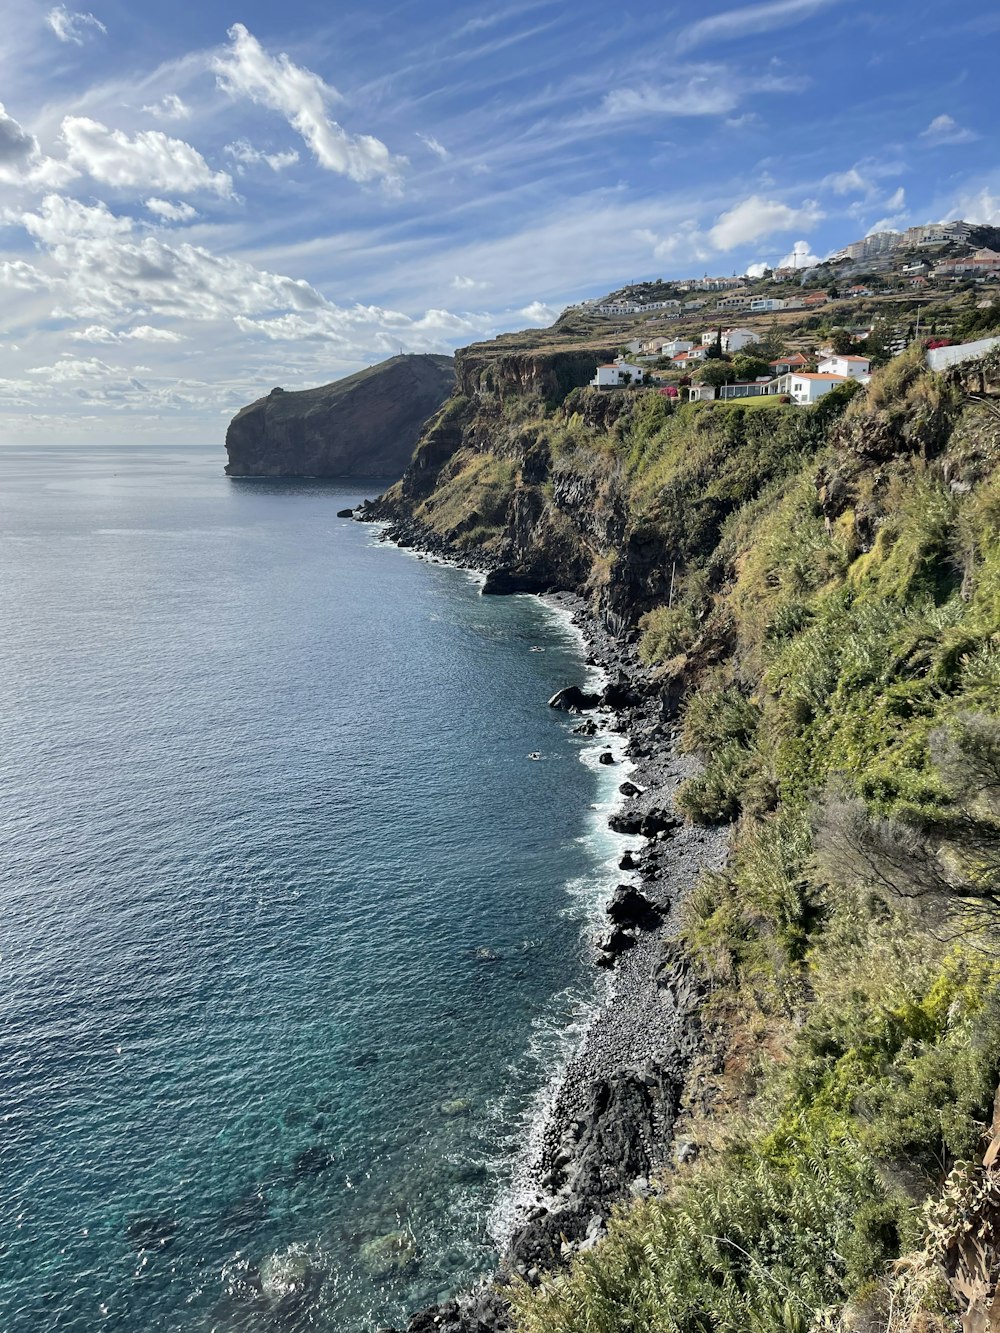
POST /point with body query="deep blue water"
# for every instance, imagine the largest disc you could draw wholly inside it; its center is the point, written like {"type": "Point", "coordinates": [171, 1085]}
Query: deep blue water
{"type": "Point", "coordinates": [290, 925]}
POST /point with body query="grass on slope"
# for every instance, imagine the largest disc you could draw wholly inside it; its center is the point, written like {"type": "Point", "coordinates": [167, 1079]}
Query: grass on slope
{"type": "Point", "coordinates": [851, 729]}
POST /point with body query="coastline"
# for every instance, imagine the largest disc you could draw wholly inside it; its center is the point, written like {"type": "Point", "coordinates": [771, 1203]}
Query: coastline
{"type": "Point", "coordinates": [608, 1116]}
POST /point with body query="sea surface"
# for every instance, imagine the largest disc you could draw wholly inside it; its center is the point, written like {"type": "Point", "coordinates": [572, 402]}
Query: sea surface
{"type": "Point", "coordinates": [292, 929]}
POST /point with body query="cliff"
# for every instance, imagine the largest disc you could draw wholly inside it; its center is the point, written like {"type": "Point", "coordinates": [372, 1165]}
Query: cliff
{"type": "Point", "coordinates": [362, 426]}
{"type": "Point", "coordinates": [815, 593]}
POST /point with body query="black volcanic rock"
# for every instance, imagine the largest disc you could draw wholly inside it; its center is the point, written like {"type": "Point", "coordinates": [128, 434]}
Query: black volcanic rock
{"type": "Point", "coordinates": [362, 426]}
{"type": "Point", "coordinates": [571, 699]}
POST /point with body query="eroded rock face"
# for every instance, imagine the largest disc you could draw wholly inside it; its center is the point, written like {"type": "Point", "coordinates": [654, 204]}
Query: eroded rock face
{"type": "Point", "coordinates": [365, 425]}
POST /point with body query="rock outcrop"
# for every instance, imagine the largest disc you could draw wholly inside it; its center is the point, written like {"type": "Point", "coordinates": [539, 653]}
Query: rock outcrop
{"type": "Point", "coordinates": [365, 425]}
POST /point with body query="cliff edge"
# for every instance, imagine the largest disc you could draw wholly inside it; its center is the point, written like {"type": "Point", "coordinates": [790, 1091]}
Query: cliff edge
{"type": "Point", "coordinates": [362, 426]}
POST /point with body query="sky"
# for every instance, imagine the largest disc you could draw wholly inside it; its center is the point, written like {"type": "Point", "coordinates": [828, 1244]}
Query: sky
{"type": "Point", "coordinates": [200, 202]}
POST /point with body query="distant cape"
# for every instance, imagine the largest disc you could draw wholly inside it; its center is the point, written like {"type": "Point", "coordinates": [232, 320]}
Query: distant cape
{"type": "Point", "coordinates": [365, 425]}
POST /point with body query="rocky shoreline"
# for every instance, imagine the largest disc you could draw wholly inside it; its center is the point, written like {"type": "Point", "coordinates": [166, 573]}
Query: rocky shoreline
{"type": "Point", "coordinates": [610, 1124]}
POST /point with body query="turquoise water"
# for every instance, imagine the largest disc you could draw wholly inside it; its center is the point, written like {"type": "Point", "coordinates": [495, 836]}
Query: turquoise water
{"type": "Point", "coordinates": [291, 928]}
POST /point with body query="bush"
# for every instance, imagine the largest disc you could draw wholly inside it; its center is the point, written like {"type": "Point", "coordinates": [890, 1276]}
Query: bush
{"type": "Point", "coordinates": [666, 631]}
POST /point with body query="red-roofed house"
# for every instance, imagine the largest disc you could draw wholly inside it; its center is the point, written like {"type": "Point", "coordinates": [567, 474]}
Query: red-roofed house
{"type": "Point", "coordinates": [614, 374]}
{"type": "Point", "coordinates": [795, 361]}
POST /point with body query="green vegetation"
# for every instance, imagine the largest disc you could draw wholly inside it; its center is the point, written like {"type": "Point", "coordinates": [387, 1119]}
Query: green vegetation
{"type": "Point", "coordinates": [849, 724]}
{"type": "Point", "coordinates": [825, 585]}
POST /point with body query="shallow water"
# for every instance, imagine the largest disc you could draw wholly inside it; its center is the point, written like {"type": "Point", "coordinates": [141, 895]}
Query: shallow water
{"type": "Point", "coordinates": [291, 927]}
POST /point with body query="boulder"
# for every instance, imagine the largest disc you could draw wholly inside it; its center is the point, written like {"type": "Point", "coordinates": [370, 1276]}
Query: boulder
{"type": "Point", "coordinates": [388, 1255]}
{"type": "Point", "coordinates": [618, 694]}
{"type": "Point", "coordinates": [289, 1281]}
{"type": "Point", "coordinates": [345, 513]}
{"type": "Point", "coordinates": [503, 582]}
{"type": "Point", "coordinates": [630, 789]}
{"type": "Point", "coordinates": [630, 908]}
{"type": "Point", "coordinates": [626, 821]}
{"type": "Point", "coordinates": [571, 699]}
{"type": "Point", "coordinates": [606, 758]}
{"type": "Point", "coordinates": [612, 945]}
{"type": "Point", "coordinates": [659, 821]}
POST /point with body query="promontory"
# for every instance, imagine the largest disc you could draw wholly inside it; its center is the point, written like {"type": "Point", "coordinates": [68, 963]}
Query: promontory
{"type": "Point", "coordinates": [364, 425]}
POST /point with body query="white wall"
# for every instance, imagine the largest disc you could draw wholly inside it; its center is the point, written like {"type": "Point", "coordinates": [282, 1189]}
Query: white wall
{"type": "Point", "coordinates": [939, 358]}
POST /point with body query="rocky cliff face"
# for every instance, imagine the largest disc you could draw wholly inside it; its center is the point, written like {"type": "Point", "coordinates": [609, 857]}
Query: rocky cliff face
{"type": "Point", "coordinates": [517, 474]}
{"type": "Point", "coordinates": [363, 426]}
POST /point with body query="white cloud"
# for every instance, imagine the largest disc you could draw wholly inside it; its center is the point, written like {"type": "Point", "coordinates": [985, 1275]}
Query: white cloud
{"type": "Point", "coordinates": [746, 21]}
{"type": "Point", "coordinates": [538, 313]}
{"type": "Point", "coordinates": [169, 107]}
{"type": "Point", "coordinates": [700, 90]}
{"type": "Point", "coordinates": [699, 97]}
{"type": "Point", "coordinates": [435, 147]}
{"type": "Point", "coordinates": [800, 256]}
{"type": "Point", "coordinates": [756, 217]}
{"type": "Point", "coordinates": [757, 270]}
{"type": "Point", "coordinates": [463, 284]}
{"type": "Point", "coordinates": [16, 273]}
{"type": "Point", "coordinates": [247, 156]}
{"type": "Point", "coordinates": [69, 26]}
{"type": "Point", "coordinates": [945, 130]}
{"type": "Point", "coordinates": [108, 271]}
{"type": "Point", "coordinates": [21, 161]}
{"type": "Point", "coordinates": [302, 98]}
{"type": "Point", "coordinates": [97, 333]}
{"type": "Point", "coordinates": [16, 144]}
{"type": "Point", "coordinates": [169, 212]}
{"type": "Point", "coordinates": [981, 209]}
{"type": "Point", "coordinates": [73, 368]}
{"type": "Point", "coordinates": [150, 160]}
{"type": "Point", "coordinates": [386, 330]}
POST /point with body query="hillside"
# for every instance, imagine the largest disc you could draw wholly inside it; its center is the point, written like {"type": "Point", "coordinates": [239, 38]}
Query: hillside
{"type": "Point", "coordinates": [364, 425]}
{"type": "Point", "coordinates": [816, 592]}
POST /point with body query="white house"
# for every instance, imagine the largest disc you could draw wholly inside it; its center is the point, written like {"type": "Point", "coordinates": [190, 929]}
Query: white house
{"type": "Point", "coordinates": [733, 303]}
{"type": "Point", "coordinates": [615, 374]}
{"type": "Point", "coordinates": [689, 358]}
{"type": "Point", "coordinates": [764, 304]}
{"type": "Point", "coordinates": [804, 388]}
{"type": "Point", "coordinates": [734, 340]}
{"type": "Point", "coordinates": [851, 367]}
{"type": "Point", "coordinates": [701, 393]}
{"type": "Point", "coordinates": [675, 347]}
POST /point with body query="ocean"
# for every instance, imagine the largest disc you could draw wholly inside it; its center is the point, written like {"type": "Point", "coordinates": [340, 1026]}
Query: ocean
{"type": "Point", "coordinates": [293, 931]}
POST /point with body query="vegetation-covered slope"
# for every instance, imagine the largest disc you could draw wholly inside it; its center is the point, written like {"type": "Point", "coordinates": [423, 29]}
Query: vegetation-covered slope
{"type": "Point", "coordinates": [819, 590]}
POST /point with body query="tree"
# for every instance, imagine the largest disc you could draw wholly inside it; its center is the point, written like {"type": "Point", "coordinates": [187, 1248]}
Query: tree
{"type": "Point", "coordinates": [841, 341]}
{"type": "Point", "coordinates": [716, 373]}
{"type": "Point", "coordinates": [773, 342]}
{"type": "Point", "coordinates": [946, 867]}
{"type": "Point", "coordinates": [748, 366]}
{"type": "Point", "coordinates": [714, 350]}
{"type": "Point", "coordinates": [878, 344]}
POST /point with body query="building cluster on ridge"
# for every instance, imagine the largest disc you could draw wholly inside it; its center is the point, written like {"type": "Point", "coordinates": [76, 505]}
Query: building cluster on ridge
{"type": "Point", "coordinates": [878, 252]}
{"type": "Point", "coordinates": [789, 377]}
{"type": "Point", "coordinates": [908, 257]}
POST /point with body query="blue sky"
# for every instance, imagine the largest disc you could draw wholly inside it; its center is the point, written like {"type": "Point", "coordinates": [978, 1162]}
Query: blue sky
{"type": "Point", "coordinates": [199, 202]}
